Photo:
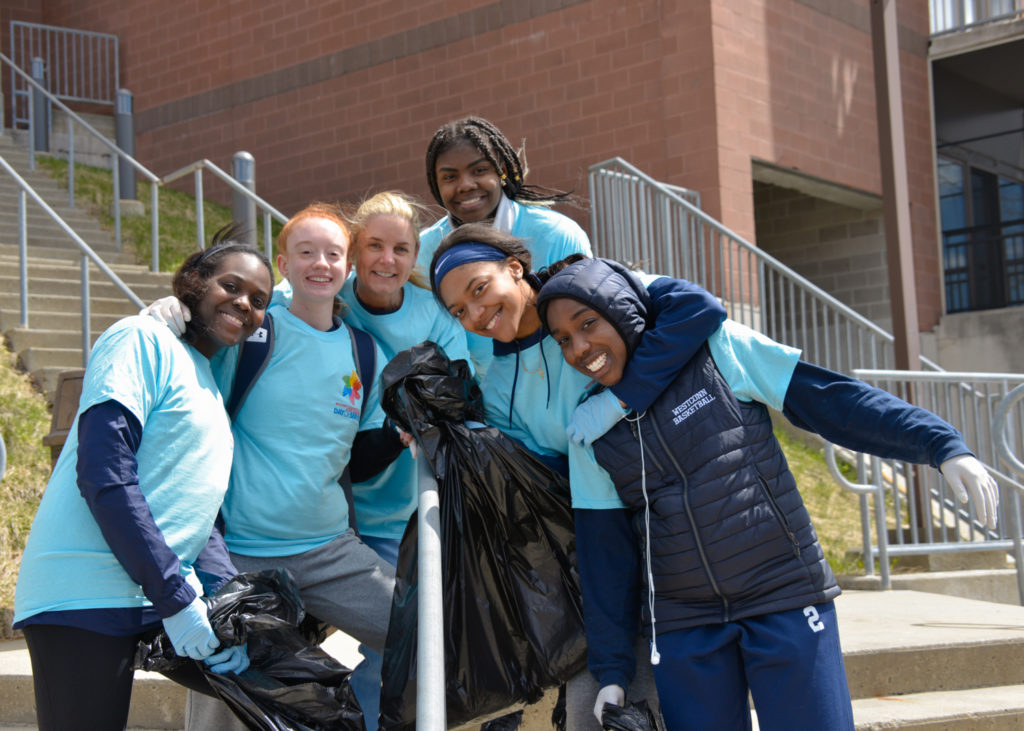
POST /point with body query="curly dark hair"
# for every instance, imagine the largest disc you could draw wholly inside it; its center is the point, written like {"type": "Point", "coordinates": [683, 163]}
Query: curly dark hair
{"type": "Point", "coordinates": [190, 280]}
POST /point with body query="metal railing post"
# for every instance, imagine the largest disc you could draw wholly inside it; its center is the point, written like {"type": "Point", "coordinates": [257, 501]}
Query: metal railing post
{"type": "Point", "coordinates": [23, 257]}
{"type": "Point", "coordinates": [430, 679]}
{"type": "Point", "coordinates": [124, 136]}
{"type": "Point", "coordinates": [71, 163]}
{"type": "Point", "coordinates": [86, 313]}
{"type": "Point", "coordinates": [243, 208]}
{"type": "Point", "coordinates": [40, 109]}
{"type": "Point", "coordinates": [1000, 429]}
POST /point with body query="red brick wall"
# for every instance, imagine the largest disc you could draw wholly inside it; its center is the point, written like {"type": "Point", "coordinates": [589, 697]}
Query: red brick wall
{"type": "Point", "coordinates": [336, 99]}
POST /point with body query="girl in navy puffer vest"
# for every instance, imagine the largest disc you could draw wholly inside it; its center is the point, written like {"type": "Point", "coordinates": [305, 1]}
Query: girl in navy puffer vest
{"type": "Point", "coordinates": [701, 510]}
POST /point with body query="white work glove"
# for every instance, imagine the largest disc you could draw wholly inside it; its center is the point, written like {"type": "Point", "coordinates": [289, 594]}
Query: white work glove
{"type": "Point", "coordinates": [190, 632]}
{"type": "Point", "coordinates": [594, 417]}
{"type": "Point", "coordinates": [967, 476]}
{"type": "Point", "coordinates": [171, 312]}
{"type": "Point", "coordinates": [613, 694]}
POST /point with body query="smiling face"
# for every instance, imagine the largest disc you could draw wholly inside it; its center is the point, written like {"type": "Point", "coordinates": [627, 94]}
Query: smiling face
{"type": "Point", "coordinates": [589, 343]}
{"type": "Point", "coordinates": [233, 304]}
{"type": "Point", "coordinates": [469, 185]}
{"type": "Point", "coordinates": [315, 262]}
{"type": "Point", "coordinates": [385, 253]}
{"type": "Point", "coordinates": [490, 298]}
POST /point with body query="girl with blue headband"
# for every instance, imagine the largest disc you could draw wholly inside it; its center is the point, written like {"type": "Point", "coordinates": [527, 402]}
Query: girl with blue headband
{"type": "Point", "coordinates": [483, 277]}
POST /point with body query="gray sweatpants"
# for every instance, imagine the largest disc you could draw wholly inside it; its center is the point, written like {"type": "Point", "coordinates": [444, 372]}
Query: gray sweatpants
{"type": "Point", "coordinates": [343, 583]}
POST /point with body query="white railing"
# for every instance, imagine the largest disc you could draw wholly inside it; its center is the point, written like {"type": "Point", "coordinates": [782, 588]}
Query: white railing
{"type": "Point", "coordinates": [81, 66]}
{"type": "Point", "coordinates": [914, 510]}
{"type": "Point", "coordinates": [639, 220]}
{"type": "Point", "coordinates": [953, 16]}
{"type": "Point", "coordinates": [87, 255]}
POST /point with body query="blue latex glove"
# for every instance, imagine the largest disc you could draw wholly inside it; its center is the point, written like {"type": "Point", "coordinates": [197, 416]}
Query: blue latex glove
{"type": "Point", "coordinates": [594, 417]}
{"type": "Point", "coordinates": [234, 659]}
{"type": "Point", "coordinates": [190, 631]}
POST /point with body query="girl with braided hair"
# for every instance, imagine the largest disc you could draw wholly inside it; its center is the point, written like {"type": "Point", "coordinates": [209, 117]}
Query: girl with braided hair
{"type": "Point", "coordinates": [477, 176]}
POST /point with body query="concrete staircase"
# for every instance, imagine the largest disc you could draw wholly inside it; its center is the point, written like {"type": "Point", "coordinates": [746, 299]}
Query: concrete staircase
{"type": "Point", "coordinates": [52, 342]}
{"type": "Point", "coordinates": [913, 660]}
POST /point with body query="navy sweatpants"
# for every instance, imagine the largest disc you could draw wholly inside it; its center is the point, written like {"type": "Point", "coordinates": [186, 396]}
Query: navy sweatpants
{"type": "Point", "coordinates": [790, 662]}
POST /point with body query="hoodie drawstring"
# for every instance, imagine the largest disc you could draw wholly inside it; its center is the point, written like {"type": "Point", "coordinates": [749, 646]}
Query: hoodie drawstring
{"type": "Point", "coordinates": [655, 655]}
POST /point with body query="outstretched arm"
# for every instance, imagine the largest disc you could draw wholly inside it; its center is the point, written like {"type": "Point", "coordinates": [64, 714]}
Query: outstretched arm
{"type": "Point", "coordinates": [685, 316]}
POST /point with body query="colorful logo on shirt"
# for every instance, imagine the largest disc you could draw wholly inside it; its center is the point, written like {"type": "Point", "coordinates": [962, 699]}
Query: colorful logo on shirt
{"type": "Point", "coordinates": [352, 386]}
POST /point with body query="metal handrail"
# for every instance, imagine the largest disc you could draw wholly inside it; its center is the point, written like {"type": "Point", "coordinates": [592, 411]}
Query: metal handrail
{"type": "Point", "coordinates": [114, 149]}
{"type": "Point", "coordinates": [155, 181]}
{"type": "Point", "coordinates": [920, 495]}
{"type": "Point", "coordinates": [56, 46]}
{"type": "Point", "coordinates": [196, 169]}
{"type": "Point", "coordinates": [637, 219]}
{"type": "Point", "coordinates": [1000, 428]}
{"type": "Point", "coordinates": [87, 255]}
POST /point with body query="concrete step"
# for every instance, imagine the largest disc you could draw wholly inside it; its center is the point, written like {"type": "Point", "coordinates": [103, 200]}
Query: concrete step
{"type": "Point", "coordinates": [34, 359]}
{"type": "Point", "coordinates": [978, 709]}
{"type": "Point", "coordinates": [70, 270]}
{"type": "Point", "coordinates": [19, 339]}
{"type": "Point", "coordinates": [99, 286]}
{"type": "Point", "coordinates": [39, 303]}
{"type": "Point", "coordinates": [989, 585]}
{"type": "Point", "coordinates": [10, 318]}
{"type": "Point", "coordinates": [43, 253]}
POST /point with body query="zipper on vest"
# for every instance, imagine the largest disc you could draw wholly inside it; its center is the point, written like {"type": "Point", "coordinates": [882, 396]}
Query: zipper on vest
{"type": "Point", "coordinates": [779, 516]}
{"type": "Point", "coordinates": [693, 522]}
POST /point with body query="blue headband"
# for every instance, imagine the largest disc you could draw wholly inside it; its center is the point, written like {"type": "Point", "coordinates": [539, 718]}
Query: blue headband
{"type": "Point", "coordinates": [465, 253]}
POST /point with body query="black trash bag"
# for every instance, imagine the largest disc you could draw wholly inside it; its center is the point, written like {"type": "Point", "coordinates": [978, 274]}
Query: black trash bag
{"type": "Point", "coordinates": [513, 615]}
{"type": "Point", "coordinates": [631, 717]}
{"type": "Point", "coordinates": [292, 684]}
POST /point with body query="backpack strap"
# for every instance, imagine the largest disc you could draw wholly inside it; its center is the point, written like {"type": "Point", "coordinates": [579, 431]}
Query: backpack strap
{"type": "Point", "coordinates": [253, 356]}
{"type": "Point", "coordinates": [364, 352]}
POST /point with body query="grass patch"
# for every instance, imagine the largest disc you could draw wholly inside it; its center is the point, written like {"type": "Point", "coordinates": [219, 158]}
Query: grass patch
{"type": "Point", "coordinates": [94, 192]}
{"type": "Point", "coordinates": [24, 421]}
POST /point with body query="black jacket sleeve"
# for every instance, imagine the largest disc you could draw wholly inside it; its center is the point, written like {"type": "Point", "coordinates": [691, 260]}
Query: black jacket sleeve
{"type": "Point", "coordinates": [856, 415]}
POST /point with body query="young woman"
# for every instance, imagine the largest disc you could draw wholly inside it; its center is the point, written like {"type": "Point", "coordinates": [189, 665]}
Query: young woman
{"type": "Point", "coordinates": [477, 176]}
{"type": "Point", "coordinates": [115, 549]}
{"type": "Point", "coordinates": [305, 415]}
{"type": "Point", "coordinates": [696, 490]}
{"type": "Point", "coordinates": [483, 277]}
{"type": "Point", "coordinates": [389, 301]}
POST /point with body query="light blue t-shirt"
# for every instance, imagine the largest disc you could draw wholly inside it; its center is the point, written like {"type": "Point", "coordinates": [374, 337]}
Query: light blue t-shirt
{"type": "Point", "coordinates": [539, 414]}
{"type": "Point", "coordinates": [184, 459]}
{"type": "Point", "coordinates": [753, 365]}
{"type": "Point", "coordinates": [293, 437]}
{"type": "Point", "coordinates": [384, 503]}
{"type": "Point", "coordinates": [549, 236]}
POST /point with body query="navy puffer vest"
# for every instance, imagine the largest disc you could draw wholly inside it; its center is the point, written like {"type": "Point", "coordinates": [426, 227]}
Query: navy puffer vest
{"type": "Point", "coordinates": [729, 534]}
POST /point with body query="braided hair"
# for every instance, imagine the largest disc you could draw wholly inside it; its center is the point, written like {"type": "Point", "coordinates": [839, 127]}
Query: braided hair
{"type": "Point", "coordinates": [507, 161]}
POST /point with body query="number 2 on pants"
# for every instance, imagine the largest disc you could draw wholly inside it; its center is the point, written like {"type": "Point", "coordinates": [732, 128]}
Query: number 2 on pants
{"type": "Point", "coordinates": [813, 620]}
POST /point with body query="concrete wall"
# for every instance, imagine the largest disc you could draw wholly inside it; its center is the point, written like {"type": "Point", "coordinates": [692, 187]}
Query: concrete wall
{"type": "Point", "coordinates": [988, 341]}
